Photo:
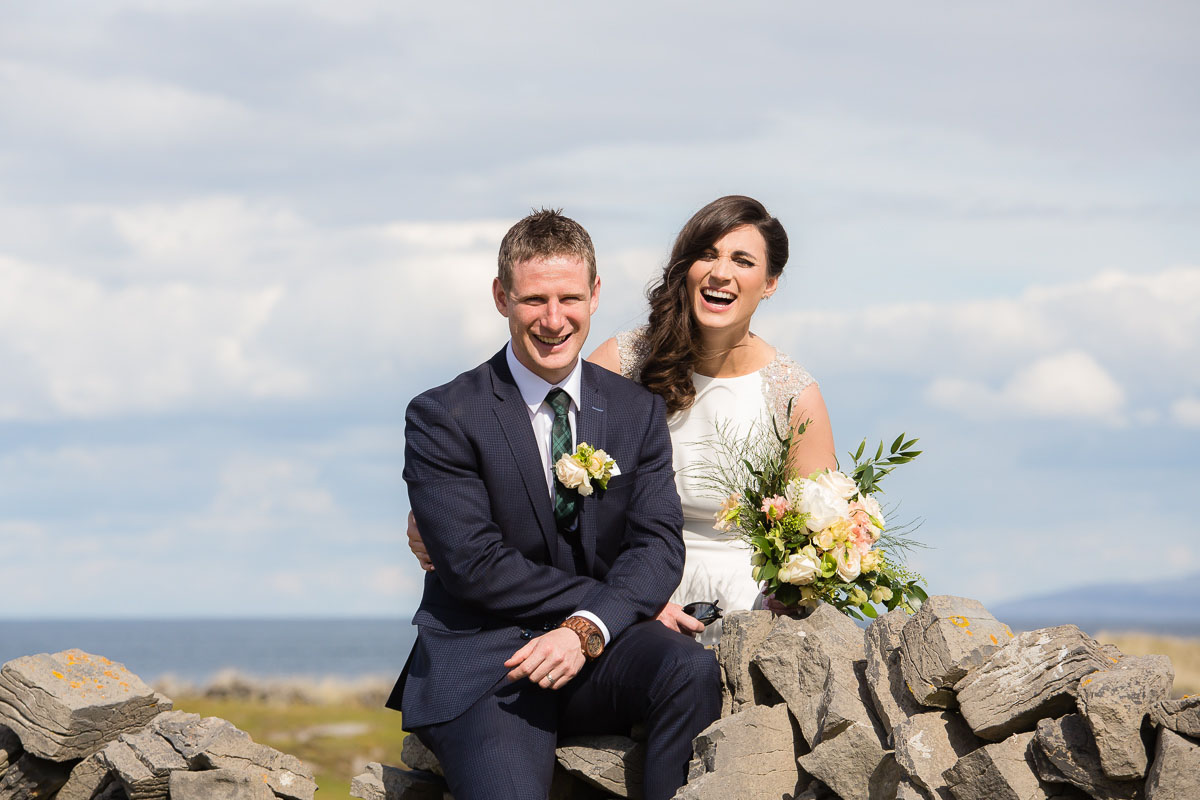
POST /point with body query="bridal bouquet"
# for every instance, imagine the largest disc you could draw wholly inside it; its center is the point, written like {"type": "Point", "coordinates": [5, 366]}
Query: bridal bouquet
{"type": "Point", "coordinates": [820, 537]}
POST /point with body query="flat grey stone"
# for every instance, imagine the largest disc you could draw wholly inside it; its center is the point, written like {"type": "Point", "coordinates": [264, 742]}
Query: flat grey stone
{"type": "Point", "coordinates": [907, 790]}
{"type": "Point", "coordinates": [893, 702]}
{"type": "Point", "coordinates": [87, 779]}
{"type": "Point", "coordinates": [1115, 704]}
{"type": "Point", "coordinates": [1035, 675]}
{"type": "Point", "coordinates": [947, 637]}
{"type": "Point", "coordinates": [219, 784]}
{"type": "Point", "coordinates": [30, 778]}
{"type": "Point", "coordinates": [381, 782]}
{"type": "Point", "coordinates": [1068, 746]}
{"type": "Point", "coordinates": [68, 705]}
{"type": "Point", "coordinates": [140, 781]}
{"type": "Point", "coordinates": [817, 666]}
{"type": "Point", "coordinates": [189, 734]}
{"type": "Point", "coordinates": [1175, 773]}
{"type": "Point", "coordinates": [287, 775]}
{"type": "Point", "coordinates": [416, 755]}
{"type": "Point", "coordinates": [928, 744]}
{"type": "Point", "coordinates": [748, 754]}
{"type": "Point", "coordinates": [1181, 715]}
{"type": "Point", "coordinates": [741, 635]}
{"type": "Point", "coordinates": [854, 765]}
{"type": "Point", "coordinates": [1000, 771]}
{"type": "Point", "coordinates": [612, 763]}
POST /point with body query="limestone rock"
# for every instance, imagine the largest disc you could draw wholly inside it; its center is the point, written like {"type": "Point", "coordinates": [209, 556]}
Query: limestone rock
{"type": "Point", "coordinates": [748, 754]}
{"type": "Point", "coordinates": [30, 777]}
{"type": "Point", "coordinates": [611, 763]}
{"type": "Point", "coordinates": [893, 703]}
{"type": "Point", "coordinates": [1035, 675]}
{"type": "Point", "coordinates": [381, 782]}
{"type": "Point", "coordinates": [68, 705]}
{"type": "Point", "coordinates": [87, 779]}
{"type": "Point", "coordinates": [741, 636]}
{"type": "Point", "coordinates": [190, 734]}
{"type": "Point", "coordinates": [854, 765]}
{"type": "Point", "coordinates": [10, 748]}
{"type": "Point", "coordinates": [1068, 746]}
{"type": "Point", "coordinates": [1001, 771]}
{"type": "Point", "coordinates": [143, 762]}
{"type": "Point", "coordinates": [416, 755]}
{"type": "Point", "coordinates": [287, 775]}
{"type": "Point", "coordinates": [907, 790]}
{"type": "Point", "coordinates": [930, 743]}
{"type": "Point", "coordinates": [1181, 716]}
{"type": "Point", "coordinates": [942, 641]}
{"type": "Point", "coordinates": [1116, 703]}
{"type": "Point", "coordinates": [219, 784]}
{"type": "Point", "coordinates": [1175, 774]}
{"type": "Point", "coordinates": [816, 665]}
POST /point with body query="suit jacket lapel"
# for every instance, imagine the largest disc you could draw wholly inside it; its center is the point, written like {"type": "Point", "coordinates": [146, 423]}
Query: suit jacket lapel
{"type": "Point", "coordinates": [513, 416]}
{"type": "Point", "coordinates": [590, 423]}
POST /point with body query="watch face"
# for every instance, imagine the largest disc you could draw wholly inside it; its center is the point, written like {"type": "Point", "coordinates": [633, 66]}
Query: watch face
{"type": "Point", "coordinates": [595, 645]}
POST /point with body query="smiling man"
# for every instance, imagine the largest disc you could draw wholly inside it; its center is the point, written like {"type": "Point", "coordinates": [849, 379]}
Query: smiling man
{"type": "Point", "coordinates": [539, 617]}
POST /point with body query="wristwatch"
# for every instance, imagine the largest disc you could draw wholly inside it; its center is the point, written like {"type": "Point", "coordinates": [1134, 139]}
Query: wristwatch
{"type": "Point", "coordinates": [590, 639]}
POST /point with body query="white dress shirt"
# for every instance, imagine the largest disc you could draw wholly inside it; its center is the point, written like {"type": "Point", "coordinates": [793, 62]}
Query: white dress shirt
{"type": "Point", "coordinates": [533, 391]}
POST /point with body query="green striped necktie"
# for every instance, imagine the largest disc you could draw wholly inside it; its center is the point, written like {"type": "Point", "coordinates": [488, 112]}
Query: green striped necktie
{"type": "Point", "coordinates": [566, 501]}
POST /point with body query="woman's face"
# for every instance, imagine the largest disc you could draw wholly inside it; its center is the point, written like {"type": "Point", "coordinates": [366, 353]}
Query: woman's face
{"type": "Point", "coordinates": [729, 279]}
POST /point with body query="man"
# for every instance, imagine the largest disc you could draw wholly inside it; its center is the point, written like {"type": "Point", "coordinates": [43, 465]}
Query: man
{"type": "Point", "coordinates": [539, 617]}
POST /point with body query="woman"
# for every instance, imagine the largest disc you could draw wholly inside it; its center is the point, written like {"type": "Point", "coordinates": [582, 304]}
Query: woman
{"type": "Point", "coordinates": [717, 378]}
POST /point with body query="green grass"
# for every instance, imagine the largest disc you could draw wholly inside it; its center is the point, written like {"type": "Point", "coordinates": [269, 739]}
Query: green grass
{"type": "Point", "coordinates": [334, 758]}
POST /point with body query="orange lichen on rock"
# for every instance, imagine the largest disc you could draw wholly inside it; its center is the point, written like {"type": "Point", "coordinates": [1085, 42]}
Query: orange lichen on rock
{"type": "Point", "coordinates": [57, 674]}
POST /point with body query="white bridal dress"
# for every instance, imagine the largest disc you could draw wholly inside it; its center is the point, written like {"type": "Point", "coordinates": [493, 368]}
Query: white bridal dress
{"type": "Point", "coordinates": [717, 565]}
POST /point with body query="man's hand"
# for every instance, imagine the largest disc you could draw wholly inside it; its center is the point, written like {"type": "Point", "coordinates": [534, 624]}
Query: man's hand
{"type": "Point", "coordinates": [550, 660]}
{"type": "Point", "coordinates": [673, 617]}
{"type": "Point", "coordinates": [417, 544]}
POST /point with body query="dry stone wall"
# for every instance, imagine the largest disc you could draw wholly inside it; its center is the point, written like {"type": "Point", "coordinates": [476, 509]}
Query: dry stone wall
{"type": "Point", "coordinates": [77, 726]}
{"type": "Point", "coordinates": [947, 704]}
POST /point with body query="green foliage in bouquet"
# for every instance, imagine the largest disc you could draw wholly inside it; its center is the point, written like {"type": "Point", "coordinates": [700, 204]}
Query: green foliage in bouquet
{"type": "Point", "coordinates": [815, 538]}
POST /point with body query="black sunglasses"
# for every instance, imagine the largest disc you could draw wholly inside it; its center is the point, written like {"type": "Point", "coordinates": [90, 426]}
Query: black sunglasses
{"type": "Point", "coordinates": [707, 613]}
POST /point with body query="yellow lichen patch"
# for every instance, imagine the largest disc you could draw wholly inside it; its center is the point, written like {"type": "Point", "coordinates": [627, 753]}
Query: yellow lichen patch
{"type": "Point", "coordinates": [109, 673]}
{"type": "Point", "coordinates": [992, 636]}
{"type": "Point", "coordinates": [57, 674]}
{"type": "Point", "coordinates": [75, 684]}
{"type": "Point", "coordinates": [959, 620]}
{"type": "Point", "coordinates": [1085, 681]}
{"type": "Point", "coordinates": [105, 661]}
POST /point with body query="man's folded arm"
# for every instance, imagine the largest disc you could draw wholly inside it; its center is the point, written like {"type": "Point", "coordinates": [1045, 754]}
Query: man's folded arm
{"type": "Point", "coordinates": [450, 502]}
{"type": "Point", "coordinates": [650, 565]}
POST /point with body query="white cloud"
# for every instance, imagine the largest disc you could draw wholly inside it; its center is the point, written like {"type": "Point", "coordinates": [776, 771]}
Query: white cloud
{"type": "Point", "coordinates": [1186, 412]}
{"type": "Point", "coordinates": [1068, 385]}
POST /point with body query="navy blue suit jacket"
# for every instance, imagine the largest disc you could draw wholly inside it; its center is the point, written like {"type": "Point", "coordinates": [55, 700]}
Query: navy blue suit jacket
{"type": "Point", "coordinates": [478, 491]}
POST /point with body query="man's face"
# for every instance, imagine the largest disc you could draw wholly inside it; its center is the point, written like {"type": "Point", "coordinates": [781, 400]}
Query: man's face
{"type": "Point", "coordinates": [549, 309]}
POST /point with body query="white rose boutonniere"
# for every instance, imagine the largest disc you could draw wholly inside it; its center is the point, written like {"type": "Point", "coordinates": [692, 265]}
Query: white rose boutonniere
{"type": "Point", "coordinates": [586, 465]}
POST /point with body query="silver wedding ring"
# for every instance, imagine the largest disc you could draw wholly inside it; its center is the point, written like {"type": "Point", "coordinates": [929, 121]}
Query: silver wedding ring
{"type": "Point", "coordinates": [550, 679]}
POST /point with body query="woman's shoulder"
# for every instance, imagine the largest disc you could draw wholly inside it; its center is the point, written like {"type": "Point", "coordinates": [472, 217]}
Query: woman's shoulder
{"type": "Point", "coordinates": [783, 380]}
{"type": "Point", "coordinates": [632, 348]}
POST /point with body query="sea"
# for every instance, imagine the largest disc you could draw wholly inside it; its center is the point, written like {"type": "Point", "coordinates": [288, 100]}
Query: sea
{"type": "Point", "coordinates": [194, 650]}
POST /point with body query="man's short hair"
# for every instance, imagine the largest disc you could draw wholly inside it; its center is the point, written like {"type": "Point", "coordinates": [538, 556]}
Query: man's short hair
{"type": "Point", "coordinates": [544, 234]}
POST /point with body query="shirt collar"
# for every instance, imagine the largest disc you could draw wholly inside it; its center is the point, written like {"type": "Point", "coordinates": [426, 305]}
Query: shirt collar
{"type": "Point", "coordinates": [534, 388]}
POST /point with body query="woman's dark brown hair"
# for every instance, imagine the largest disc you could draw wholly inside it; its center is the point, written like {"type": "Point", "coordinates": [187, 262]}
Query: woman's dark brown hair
{"type": "Point", "coordinates": [671, 336]}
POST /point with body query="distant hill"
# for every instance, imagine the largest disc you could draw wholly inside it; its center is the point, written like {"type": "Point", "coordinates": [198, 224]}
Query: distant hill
{"type": "Point", "coordinates": [1169, 606]}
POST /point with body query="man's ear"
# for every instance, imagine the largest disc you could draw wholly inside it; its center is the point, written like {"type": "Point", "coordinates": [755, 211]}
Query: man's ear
{"type": "Point", "coordinates": [500, 296]}
{"type": "Point", "coordinates": [595, 301]}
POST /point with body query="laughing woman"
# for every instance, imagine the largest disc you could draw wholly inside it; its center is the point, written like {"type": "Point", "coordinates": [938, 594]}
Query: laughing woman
{"type": "Point", "coordinates": [717, 377]}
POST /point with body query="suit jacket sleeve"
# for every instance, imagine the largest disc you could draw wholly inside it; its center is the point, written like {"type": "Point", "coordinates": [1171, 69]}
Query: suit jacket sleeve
{"type": "Point", "coordinates": [650, 565]}
{"type": "Point", "coordinates": [450, 502]}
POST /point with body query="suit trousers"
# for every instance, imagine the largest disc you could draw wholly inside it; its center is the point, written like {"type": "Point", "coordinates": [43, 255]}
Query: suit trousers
{"type": "Point", "coordinates": [503, 745]}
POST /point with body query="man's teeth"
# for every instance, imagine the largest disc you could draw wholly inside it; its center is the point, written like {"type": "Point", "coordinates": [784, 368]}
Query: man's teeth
{"type": "Point", "coordinates": [550, 340]}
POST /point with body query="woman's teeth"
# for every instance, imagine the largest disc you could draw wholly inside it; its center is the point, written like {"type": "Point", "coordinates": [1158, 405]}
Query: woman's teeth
{"type": "Point", "coordinates": [551, 340]}
{"type": "Point", "coordinates": [718, 297]}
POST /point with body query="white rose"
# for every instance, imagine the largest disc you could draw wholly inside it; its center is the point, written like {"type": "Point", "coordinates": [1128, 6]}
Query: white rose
{"type": "Point", "coordinates": [823, 506]}
{"type": "Point", "coordinates": [572, 474]}
{"type": "Point", "coordinates": [837, 483]}
{"type": "Point", "coordinates": [872, 507]}
{"type": "Point", "coordinates": [849, 564]}
{"type": "Point", "coordinates": [800, 569]}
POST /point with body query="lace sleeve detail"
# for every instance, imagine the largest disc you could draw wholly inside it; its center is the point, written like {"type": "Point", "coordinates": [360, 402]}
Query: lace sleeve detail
{"type": "Point", "coordinates": [783, 380]}
{"type": "Point", "coordinates": [632, 350]}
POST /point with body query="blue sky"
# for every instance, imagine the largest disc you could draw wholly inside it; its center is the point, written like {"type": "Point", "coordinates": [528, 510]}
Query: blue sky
{"type": "Point", "coordinates": [237, 238]}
